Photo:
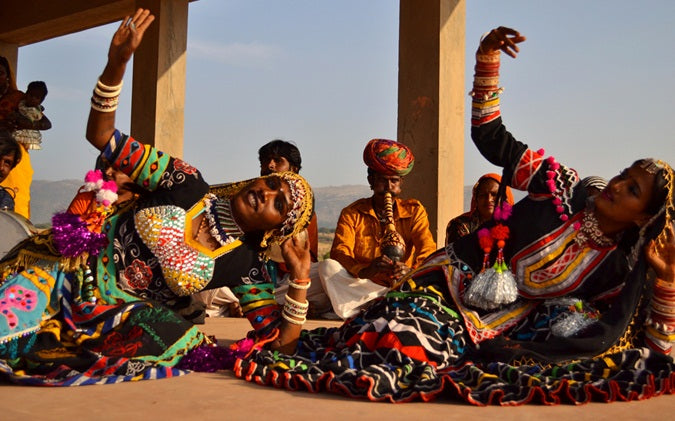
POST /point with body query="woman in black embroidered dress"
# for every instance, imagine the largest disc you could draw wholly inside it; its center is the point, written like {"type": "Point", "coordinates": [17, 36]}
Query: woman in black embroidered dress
{"type": "Point", "coordinates": [580, 271]}
{"type": "Point", "coordinates": [80, 302]}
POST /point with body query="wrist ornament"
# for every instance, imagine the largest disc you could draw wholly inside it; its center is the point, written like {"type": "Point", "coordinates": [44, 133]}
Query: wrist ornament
{"type": "Point", "coordinates": [105, 98]}
{"type": "Point", "coordinates": [300, 283]}
{"type": "Point", "coordinates": [294, 311]}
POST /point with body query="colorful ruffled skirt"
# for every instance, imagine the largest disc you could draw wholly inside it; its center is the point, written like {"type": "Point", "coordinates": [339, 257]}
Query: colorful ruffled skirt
{"type": "Point", "coordinates": [412, 346]}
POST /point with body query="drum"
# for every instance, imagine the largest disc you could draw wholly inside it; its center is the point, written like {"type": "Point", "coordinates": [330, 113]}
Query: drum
{"type": "Point", "coordinates": [13, 229]}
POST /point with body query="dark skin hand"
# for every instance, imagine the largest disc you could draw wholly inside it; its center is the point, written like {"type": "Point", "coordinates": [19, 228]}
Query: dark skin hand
{"type": "Point", "coordinates": [661, 257]}
{"type": "Point", "coordinates": [501, 39]}
{"type": "Point", "coordinates": [384, 271]}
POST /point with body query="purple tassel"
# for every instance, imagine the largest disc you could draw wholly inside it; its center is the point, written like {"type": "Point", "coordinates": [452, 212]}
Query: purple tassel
{"type": "Point", "coordinates": [72, 237]}
{"type": "Point", "coordinates": [211, 357]}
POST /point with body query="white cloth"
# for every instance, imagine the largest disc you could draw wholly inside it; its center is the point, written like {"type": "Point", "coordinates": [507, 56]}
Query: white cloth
{"type": "Point", "coordinates": [347, 293]}
{"type": "Point", "coordinates": [218, 300]}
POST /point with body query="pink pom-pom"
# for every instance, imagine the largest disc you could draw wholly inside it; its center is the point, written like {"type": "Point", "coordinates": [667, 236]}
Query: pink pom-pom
{"type": "Point", "coordinates": [109, 185]}
{"type": "Point", "coordinates": [93, 176]}
{"type": "Point", "coordinates": [554, 166]}
{"type": "Point", "coordinates": [541, 151]}
{"type": "Point", "coordinates": [557, 201]}
{"type": "Point", "coordinates": [559, 209]}
{"type": "Point", "coordinates": [564, 217]}
{"type": "Point", "coordinates": [550, 160]}
{"type": "Point", "coordinates": [550, 174]}
{"type": "Point", "coordinates": [506, 210]}
{"type": "Point", "coordinates": [576, 226]}
{"type": "Point", "coordinates": [497, 214]}
{"type": "Point", "coordinates": [483, 232]}
{"type": "Point", "coordinates": [551, 185]}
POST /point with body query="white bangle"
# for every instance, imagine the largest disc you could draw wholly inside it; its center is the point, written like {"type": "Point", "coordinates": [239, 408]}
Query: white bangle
{"type": "Point", "coordinates": [293, 321]}
{"type": "Point", "coordinates": [299, 286]}
{"type": "Point", "coordinates": [295, 303]}
{"type": "Point", "coordinates": [105, 87]}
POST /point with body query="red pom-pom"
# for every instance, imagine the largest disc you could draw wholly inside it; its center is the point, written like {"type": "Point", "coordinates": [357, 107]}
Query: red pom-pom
{"type": "Point", "coordinates": [541, 151]}
{"type": "Point", "coordinates": [564, 217]}
{"type": "Point", "coordinates": [501, 244]}
{"type": "Point", "coordinates": [485, 240]}
{"type": "Point", "coordinates": [500, 232]}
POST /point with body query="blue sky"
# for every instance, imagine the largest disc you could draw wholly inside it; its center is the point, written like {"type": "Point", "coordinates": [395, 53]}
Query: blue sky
{"type": "Point", "coordinates": [593, 84]}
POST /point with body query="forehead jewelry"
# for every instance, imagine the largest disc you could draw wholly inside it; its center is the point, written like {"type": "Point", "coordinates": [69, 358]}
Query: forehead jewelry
{"type": "Point", "coordinates": [652, 166]}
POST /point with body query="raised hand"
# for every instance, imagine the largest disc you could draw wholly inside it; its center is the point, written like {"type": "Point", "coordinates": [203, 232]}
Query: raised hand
{"type": "Point", "coordinates": [502, 38]}
{"type": "Point", "coordinates": [296, 255]}
{"type": "Point", "coordinates": [128, 36]}
{"type": "Point", "coordinates": [661, 257]}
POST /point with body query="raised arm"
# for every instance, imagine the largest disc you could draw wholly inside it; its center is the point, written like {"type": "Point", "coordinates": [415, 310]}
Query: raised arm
{"type": "Point", "coordinates": [125, 41]}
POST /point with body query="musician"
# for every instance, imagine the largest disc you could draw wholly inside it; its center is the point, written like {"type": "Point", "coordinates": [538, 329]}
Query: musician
{"type": "Point", "coordinates": [358, 271]}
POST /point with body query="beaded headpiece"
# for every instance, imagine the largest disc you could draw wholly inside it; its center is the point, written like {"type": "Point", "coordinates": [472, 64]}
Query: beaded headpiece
{"type": "Point", "coordinates": [297, 218]}
{"type": "Point", "coordinates": [654, 166]}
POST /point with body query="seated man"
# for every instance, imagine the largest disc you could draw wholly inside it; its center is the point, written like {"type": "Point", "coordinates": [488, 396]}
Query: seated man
{"type": "Point", "coordinates": [10, 155]}
{"type": "Point", "coordinates": [358, 271]}
{"type": "Point", "coordinates": [275, 156]}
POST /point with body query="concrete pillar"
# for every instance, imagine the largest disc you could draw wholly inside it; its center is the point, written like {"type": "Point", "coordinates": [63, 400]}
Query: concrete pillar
{"type": "Point", "coordinates": [431, 102]}
{"type": "Point", "coordinates": [158, 103]}
{"type": "Point", "coordinates": [11, 53]}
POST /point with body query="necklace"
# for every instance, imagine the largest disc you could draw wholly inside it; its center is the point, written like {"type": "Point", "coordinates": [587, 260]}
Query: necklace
{"type": "Point", "coordinates": [589, 232]}
{"type": "Point", "coordinates": [206, 240]}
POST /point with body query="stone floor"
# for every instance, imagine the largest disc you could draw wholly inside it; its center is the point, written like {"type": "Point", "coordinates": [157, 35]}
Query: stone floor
{"type": "Point", "coordinates": [221, 396]}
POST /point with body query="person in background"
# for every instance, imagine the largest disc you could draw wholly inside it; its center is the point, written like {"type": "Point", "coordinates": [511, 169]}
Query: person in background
{"type": "Point", "coordinates": [10, 155]}
{"type": "Point", "coordinates": [19, 180]}
{"type": "Point", "coordinates": [483, 201]}
{"type": "Point", "coordinates": [31, 109]}
{"type": "Point", "coordinates": [358, 271]}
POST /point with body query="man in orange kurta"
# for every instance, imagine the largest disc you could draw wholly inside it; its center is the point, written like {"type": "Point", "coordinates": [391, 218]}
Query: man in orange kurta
{"type": "Point", "coordinates": [358, 271]}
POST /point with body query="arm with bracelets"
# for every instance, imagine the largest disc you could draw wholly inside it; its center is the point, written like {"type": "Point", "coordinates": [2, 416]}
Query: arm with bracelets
{"type": "Point", "coordinates": [294, 313]}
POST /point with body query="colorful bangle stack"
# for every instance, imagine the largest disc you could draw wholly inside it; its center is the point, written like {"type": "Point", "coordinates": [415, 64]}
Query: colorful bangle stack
{"type": "Point", "coordinates": [295, 312]}
{"type": "Point", "coordinates": [486, 90]}
{"type": "Point", "coordinates": [662, 307]}
{"type": "Point", "coordinates": [486, 76]}
{"type": "Point", "coordinates": [106, 98]}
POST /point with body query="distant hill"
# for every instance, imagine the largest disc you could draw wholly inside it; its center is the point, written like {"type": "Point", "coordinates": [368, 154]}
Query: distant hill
{"type": "Point", "coordinates": [48, 197]}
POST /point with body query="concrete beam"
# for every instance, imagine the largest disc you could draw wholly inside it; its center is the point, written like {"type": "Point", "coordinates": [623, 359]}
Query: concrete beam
{"type": "Point", "coordinates": [28, 22]}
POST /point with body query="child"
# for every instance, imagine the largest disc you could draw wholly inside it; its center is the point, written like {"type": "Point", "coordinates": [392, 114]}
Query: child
{"type": "Point", "coordinates": [30, 108]}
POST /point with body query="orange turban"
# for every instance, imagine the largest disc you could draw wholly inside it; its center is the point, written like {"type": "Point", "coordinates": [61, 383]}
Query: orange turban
{"type": "Point", "coordinates": [388, 157]}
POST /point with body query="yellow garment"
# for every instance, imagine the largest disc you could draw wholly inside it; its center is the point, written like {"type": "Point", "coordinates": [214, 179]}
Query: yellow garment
{"type": "Point", "coordinates": [359, 233]}
{"type": "Point", "coordinates": [19, 180]}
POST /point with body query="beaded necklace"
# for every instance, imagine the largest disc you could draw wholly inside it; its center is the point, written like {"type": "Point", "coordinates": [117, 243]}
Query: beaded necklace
{"type": "Point", "coordinates": [221, 223]}
{"type": "Point", "coordinates": [589, 233]}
